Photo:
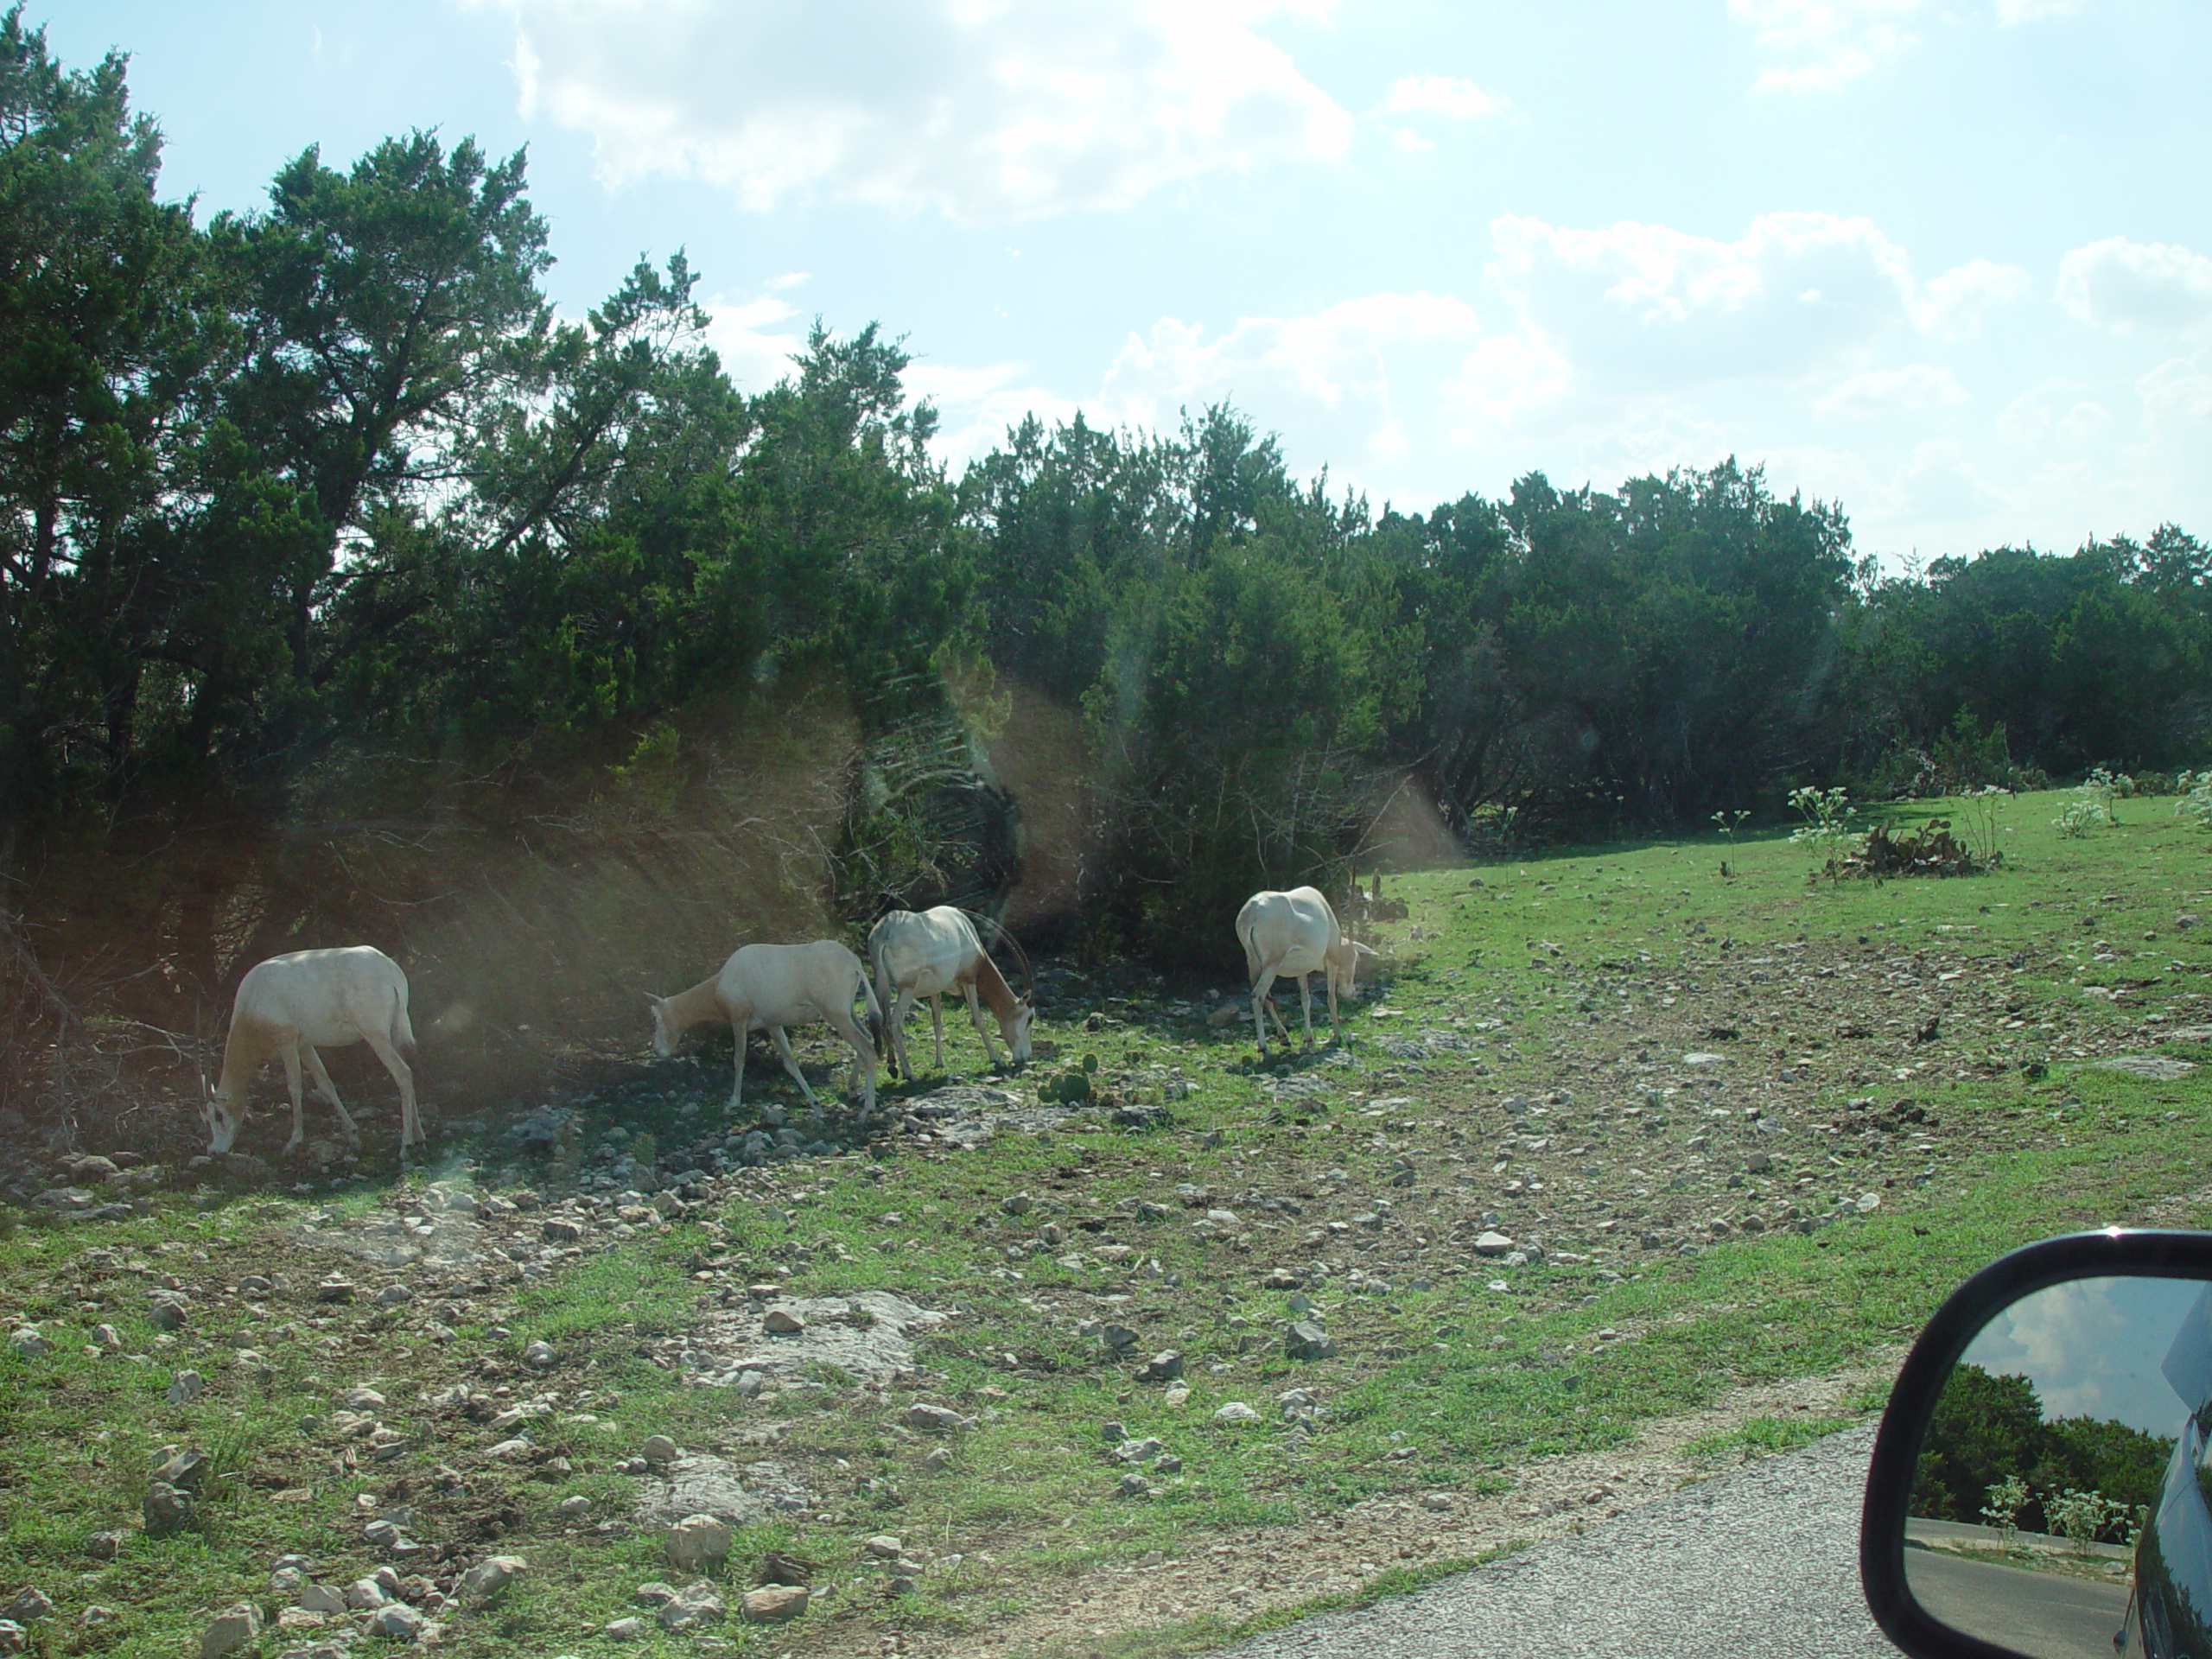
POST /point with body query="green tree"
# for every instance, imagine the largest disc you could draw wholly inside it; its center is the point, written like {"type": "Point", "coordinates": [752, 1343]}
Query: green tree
{"type": "Point", "coordinates": [101, 359]}
{"type": "Point", "coordinates": [1986, 1427]}
{"type": "Point", "coordinates": [385, 310]}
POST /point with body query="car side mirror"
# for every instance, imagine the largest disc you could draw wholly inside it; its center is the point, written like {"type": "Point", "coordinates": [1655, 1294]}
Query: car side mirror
{"type": "Point", "coordinates": [2040, 1479]}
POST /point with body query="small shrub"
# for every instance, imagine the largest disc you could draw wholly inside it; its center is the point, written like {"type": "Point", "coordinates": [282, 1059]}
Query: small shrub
{"type": "Point", "coordinates": [2090, 809]}
{"type": "Point", "coordinates": [2194, 789]}
{"type": "Point", "coordinates": [2080, 1515]}
{"type": "Point", "coordinates": [1930, 851]}
{"type": "Point", "coordinates": [1728, 823]}
{"type": "Point", "coordinates": [1968, 757]}
{"type": "Point", "coordinates": [2007, 1498]}
{"type": "Point", "coordinates": [1827, 816]}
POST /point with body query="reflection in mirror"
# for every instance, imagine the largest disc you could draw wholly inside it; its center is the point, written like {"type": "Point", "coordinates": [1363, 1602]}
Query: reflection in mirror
{"type": "Point", "coordinates": [2059, 1508]}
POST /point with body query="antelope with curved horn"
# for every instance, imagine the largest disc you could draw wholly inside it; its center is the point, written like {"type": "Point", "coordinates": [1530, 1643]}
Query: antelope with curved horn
{"type": "Point", "coordinates": [919, 954]}
{"type": "Point", "coordinates": [776, 986]}
{"type": "Point", "coordinates": [293, 1005]}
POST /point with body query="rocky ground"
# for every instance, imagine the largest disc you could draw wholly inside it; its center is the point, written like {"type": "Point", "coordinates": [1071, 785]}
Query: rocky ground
{"type": "Point", "coordinates": [1148, 1208]}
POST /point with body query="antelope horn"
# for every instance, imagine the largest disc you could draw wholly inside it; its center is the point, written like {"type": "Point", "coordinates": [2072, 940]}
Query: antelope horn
{"type": "Point", "coordinates": [1028, 975]}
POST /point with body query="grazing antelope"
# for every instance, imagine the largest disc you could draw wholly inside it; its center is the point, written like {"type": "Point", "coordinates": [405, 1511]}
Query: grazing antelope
{"type": "Point", "coordinates": [775, 986]}
{"type": "Point", "coordinates": [293, 1005]}
{"type": "Point", "coordinates": [926, 953]}
{"type": "Point", "coordinates": [1295, 934]}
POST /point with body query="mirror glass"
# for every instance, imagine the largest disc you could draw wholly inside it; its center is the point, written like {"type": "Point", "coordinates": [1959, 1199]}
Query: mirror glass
{"type": "Point", "coordinates": [2060, 1505]}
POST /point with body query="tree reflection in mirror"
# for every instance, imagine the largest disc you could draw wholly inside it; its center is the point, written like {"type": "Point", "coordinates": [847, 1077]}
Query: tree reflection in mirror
{"type": "Point", "coordinates": [2061, 1506]}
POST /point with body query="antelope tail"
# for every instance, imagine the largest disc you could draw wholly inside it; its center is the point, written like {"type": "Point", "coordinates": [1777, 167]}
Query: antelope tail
{"type": "Point", "coordinates": [879, 1033]}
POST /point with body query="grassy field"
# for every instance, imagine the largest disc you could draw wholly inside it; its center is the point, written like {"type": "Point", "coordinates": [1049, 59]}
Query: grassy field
{"type": "Point", "coordinates": [1745, 1129]}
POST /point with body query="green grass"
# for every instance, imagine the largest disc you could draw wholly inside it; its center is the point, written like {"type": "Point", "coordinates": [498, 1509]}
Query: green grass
{"type": "Point", "coordinates": [1442, 1384]}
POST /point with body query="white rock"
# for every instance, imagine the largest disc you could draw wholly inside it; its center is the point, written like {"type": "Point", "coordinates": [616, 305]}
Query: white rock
{"type": "Point", "coordinates": [398, 1620]}
{"type": "Point", "coordinates": [30, 1343]}
{"type": "Point", "coordinates": [231, 1631]}
{"type": "Point", "coordinates": [1237, 1412]}
{"type": "Point", "coordinates": [694, 1605]}
{"type": "Point", "coordinates": [187, 1386]}
{"type": "Point", "coordinates": [775, 1603]}
{"type": "Point", "coordinates": [698, 1544]}
{"type": "Point", "coordinates": [488, 1580]}
{"type": "Point", "coordinates": [364, 1593]}
{"type": "Point", "coordinates": [321, 1598]}
{"type": "Point", "coordinates": [1492, 1244]}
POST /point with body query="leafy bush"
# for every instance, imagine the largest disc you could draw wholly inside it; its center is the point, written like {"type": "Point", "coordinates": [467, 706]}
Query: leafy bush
{"type": "Point", "coordinates": [2091, 807]}
{"type": "Point", "coordinates": [2007, 1498]}
{"type": "Point", "coordinates": [1930, 851]}
{"type": "Point", "coordinates": [2194, 789]}
{"type": "Point", "coordinates": [1827, 815]}
{"type": "Point", "coordinates": [2083, 1517]}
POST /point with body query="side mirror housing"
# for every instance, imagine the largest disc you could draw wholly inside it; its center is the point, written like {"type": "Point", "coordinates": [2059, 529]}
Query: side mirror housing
{"type": "Point", "coordinates": [2067, 1367]}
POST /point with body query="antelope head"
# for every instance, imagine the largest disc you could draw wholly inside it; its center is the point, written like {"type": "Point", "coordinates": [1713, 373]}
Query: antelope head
{"type": "Point", "coordinates": [664, 1042]}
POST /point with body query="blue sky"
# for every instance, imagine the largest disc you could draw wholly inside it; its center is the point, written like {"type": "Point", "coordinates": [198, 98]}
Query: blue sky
{"type": "Point", "coordinates": [1949, 265]}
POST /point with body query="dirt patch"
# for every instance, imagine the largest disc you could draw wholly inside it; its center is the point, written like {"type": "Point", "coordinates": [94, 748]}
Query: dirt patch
{"type": "Point", "coordinates": [967, 1115]}
{"type": "Point", "coordinates": [865, 1338]}
{"type": "Point", "coordinates": [439, 1229]}
{"type": "Point", "coordinates": [737, 1494]}
{"type": "Point", "coordinates": [1278, 1567]}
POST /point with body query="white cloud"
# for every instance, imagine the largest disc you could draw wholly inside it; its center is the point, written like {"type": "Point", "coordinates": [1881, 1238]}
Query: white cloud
{"type": "Point", "coordinates": [2009, 12]}
{"type": "Point", "coordinates": [1506, 379]}
{"type": "Point", "coordinates": [1951, 306]}
{"type": "Point", "coordinates": [2084, 422]}
{"type": "Point", "coordinates": [1816, 45]}
{"type": "Point", "coordinates": [1445, 95]}
{"type": "Point", "coordinates": [977, 109]}
{"type": "Point", "coordinates": [2177, 398]}
{"type": "Point", "coordinates": [1941, 484]}
{"type": "Point", "coordinates": [755, 355]}
{"type": "Point", "coordinates": [977, 407]}
{"type": "Point", "coordinates": [1645, 304]}
{"type": "Point", "coordinates": [2151, 287]}
{"type": "Point", "coordinates": [1876, 391]}
{"type": "Point", "coordinates": [2034, 417]}
{"type": "Point", "coordinates": [1342, 378]}
{"type": "Point", "coordinates": [1345, 356]}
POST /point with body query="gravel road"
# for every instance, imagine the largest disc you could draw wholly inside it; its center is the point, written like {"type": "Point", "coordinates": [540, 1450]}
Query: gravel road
{"type": "Point", "coordinates": [1762, 1562]}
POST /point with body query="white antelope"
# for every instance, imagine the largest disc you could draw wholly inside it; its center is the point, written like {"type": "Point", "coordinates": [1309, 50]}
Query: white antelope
{"type": "Point", "coordinates": [775, 986]}
{"type": "Point", "coordinates": [926, 953]}
{"type": "Point", "coordinates": [1294, 934]}
{"type": "Point", "coordinates": [293, 1005]}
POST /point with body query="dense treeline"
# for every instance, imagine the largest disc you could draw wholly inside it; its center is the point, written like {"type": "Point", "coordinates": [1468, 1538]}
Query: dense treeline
{"type": "Point", "coordinates": [313, 510]}
{"type": "Point", "coordinates": [1989, 1427]}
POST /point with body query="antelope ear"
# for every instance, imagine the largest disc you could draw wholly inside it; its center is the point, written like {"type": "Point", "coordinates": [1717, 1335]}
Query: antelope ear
{"type": "Point", "coordinates": [652, 1001]}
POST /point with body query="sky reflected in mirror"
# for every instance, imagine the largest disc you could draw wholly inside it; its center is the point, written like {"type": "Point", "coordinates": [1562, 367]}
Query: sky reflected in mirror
{"type": "Point", "coordinates": [2094, 1348]}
